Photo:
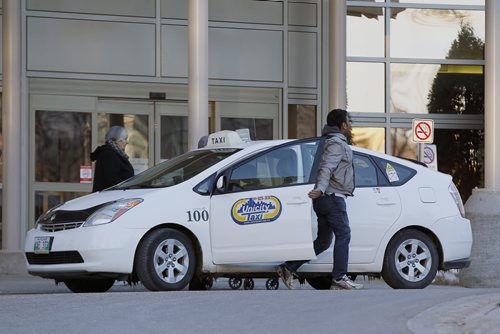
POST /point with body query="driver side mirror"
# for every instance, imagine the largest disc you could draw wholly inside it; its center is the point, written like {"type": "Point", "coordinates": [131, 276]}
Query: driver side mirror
{"type": "Point", "coordinates": [221, 183]}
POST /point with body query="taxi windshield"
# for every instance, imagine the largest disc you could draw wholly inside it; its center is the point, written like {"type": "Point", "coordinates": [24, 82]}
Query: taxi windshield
{"type": "Point", "coordinates": [176, 170]}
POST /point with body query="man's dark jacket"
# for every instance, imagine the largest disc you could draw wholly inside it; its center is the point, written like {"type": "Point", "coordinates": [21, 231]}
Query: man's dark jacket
{"type": "Point", "coordinates": [111, 168]}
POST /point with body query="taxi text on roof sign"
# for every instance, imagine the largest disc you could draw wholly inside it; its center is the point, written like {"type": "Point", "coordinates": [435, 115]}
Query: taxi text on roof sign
{"type": "Point", "coordinates": [223, 138]}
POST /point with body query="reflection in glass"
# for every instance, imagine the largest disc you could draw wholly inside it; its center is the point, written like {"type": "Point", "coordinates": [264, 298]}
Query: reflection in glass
{"type": "Point", "coordinates": [365, 32]}
{"type": "Point", "coordinates": [430, 33]}
{"type": "Point", "coordinates": [301, 121]}
{"type": "Point", "coordinates": [432, 88]}
{"type": "Point", "coordinates": [174, 136]}
{"type": "Point", "coordinates": [460, 153]}
{"type": "Point", "coordinates": [138, 132]}
{"type": "Point", "coordinates": [402, 144]}
{"type": "Point", "coordinates": [365, 87]}
{"type": "Point", "coordinates": [62, 145]}
{"type": "Point", "coordinates": [45, 200]}
{"type": "Point", "coordinates": [445, 2]}
{"type": "Point", "coordinates": [260, 128]}
{"type": "Point", "coordinates": [370, 138]}
{"type": "Point", "coordinates": [1, 201]}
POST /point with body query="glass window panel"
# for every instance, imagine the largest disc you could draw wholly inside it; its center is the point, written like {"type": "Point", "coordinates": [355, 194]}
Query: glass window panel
{"type": "Point", "coordinates": [174, 136]}
{"type": "Point", "coordinates": [301, 121]}
{"type": "Point", "coordinates": [260, 129]}
{"type": "Point", "coordinates": [62, 145]}
{"type": "Point", "coordinates": [402, 144]}
{"type": "Point", "coordinates": [365, 32]}
{"type": "Point", "coordinates": [45, 200]}
{"type": "Point", "coordinates": [395, 173]}
{"type": "Point", "coordinates": [365, 172]}
{"type": "Point", "coordinates": [369, 138]}
{"type": "Point", "coordinates": [444, 2]}
{"type": "Point", "coordinates": [437, 89]}
{"type": "Point", "coordinates": [460, 153]}
{"type": "Point", "coordinates": [436, 33]}
{"type": "Point", "coordinates": [138, 136]}
{"type": "Point", "coordinates": [284, 166]}
{"type": "Point", "coordinates": [1, 142]}
{"type": "Point", "coordinates": [365, 87]}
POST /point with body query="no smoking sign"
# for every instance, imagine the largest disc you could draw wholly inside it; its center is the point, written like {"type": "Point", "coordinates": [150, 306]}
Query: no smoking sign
{"type": "Point", "coordinates": [423, 130]}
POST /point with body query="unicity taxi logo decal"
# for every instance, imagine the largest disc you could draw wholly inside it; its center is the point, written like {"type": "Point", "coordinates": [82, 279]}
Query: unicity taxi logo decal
{"type": "Point", "coordinates": [256, 210]}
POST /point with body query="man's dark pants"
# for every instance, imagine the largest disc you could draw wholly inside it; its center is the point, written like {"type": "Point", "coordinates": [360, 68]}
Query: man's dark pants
{"type": "Point", "coordinates": [332, 219]}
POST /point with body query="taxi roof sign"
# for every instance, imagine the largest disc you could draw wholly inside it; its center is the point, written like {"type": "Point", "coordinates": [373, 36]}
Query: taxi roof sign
{"type": "Point", "coordinates": [224, 138]}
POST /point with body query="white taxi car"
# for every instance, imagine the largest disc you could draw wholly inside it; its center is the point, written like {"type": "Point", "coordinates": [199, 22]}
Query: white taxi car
{"type": "Point", "coordinates": [237, 209]}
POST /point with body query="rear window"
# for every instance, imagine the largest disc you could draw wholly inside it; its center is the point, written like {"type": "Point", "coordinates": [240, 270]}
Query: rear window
{"type": "Point", "coordinates": [395, 173]}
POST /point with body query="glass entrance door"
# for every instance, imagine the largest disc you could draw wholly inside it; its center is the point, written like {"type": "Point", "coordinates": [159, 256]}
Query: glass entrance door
{"type": "Point", "coordinates": [261, 119]}
{"type": "Point", "coordinates": [66, 129]}
{"type": "Point", "coordinates": [135, 116]}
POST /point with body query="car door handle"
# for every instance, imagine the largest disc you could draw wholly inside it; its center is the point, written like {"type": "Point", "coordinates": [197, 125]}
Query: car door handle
{"type": "Point", "coordinates": [385, 201]}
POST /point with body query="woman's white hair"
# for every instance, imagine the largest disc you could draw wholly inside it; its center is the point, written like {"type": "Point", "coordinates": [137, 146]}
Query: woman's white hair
{"type": "Point", "coordinates": [116, 133]}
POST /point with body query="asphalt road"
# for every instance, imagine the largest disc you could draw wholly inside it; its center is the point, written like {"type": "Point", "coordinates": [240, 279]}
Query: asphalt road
{"type": "Point", "coordinates": [32, 305]}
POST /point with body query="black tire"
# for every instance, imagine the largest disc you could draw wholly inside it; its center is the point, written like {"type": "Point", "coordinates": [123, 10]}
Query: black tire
{"type": "Point", "coordinates": [201, 284]}
{"type": "Point", "coordinates": [272, 284]}
{"type": "Point", "coordinates": [235, 283]}
{"type": "Point", "coordinates": [248, 284]}
{"type": "Point", "coordinates": [320, 282]}
{"type": "Point", "coordinates": [171, 253]}
{"type": "Point", "coordinates": [419, 258]}
{"type": "Point", "coordinates": [90, 285]}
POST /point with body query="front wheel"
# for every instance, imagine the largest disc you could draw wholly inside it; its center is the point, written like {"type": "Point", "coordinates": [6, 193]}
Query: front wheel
{"type": "Point", "coordinates": [165, 260]}
{"type": "Point", "coordinates": [411, 261]}
{"type": "Point", "coordinates": [90, 285]}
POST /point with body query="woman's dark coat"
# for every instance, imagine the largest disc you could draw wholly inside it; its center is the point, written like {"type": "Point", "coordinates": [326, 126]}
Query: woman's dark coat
{"type": "Point", "coordinates": [111, 168]}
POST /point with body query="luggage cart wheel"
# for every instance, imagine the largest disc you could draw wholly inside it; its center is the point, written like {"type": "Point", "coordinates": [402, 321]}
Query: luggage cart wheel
{"type": "Point", "coordinates": [272, 284]}
{"type": "Point", "coordinates": [248, 284]}
{"type": "Point", "coordinates": [235, 283]}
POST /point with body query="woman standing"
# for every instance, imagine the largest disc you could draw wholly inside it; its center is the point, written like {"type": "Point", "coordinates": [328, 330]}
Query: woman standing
{"type": "Point", "coordinates": [112, 164]}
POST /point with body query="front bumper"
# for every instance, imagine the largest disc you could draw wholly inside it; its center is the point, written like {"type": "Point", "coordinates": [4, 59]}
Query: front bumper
{"type": "Point", "coordinates": [104, 250]}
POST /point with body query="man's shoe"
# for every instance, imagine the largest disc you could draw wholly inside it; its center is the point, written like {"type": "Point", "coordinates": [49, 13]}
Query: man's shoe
{"type": "Point", "coordinates": [286, 276]}
{"type": "Point", "coordinates": [344, 283]}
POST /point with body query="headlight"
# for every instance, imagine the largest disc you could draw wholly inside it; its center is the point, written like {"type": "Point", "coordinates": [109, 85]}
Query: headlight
{"type": "Point", "coordinates": [458, 200]}
{"type": "Point", "coordinates": [111, 212]}
{"type": "Point", "coordinates": [45, 216]}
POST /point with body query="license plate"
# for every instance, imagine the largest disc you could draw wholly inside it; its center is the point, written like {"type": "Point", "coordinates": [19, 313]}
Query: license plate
{"type": "Point", "coordinates": [43, 245]}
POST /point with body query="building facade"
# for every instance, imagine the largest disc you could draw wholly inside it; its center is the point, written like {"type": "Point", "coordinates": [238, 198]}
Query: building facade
{"type": "Point", "coordinates": [275, 67]}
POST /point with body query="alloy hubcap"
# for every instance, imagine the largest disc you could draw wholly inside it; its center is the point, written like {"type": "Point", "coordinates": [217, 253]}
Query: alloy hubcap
{"type": "Point", "coordinates": [171, 261]}
{"type": "Point", "coordinates": [413, 260]}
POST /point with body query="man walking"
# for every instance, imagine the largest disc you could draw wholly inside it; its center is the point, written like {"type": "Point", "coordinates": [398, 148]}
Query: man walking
{"type": "Point", "coordinates": [335, 181]}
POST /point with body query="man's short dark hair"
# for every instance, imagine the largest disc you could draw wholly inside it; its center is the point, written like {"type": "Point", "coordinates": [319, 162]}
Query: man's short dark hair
{"type": "Point", "coordinates": [336, 117]}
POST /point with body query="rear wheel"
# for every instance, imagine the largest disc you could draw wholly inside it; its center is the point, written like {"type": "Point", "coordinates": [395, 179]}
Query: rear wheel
{"type": "Point", "coordinates": [201, 283]}
{"type": "Point", "coordinates": [165, 260]}
{"type": "Point", "coordinates": [90, 285]}
{"type": "Point", "coordinates": [411, 261]}
{"type": "Point", "coordinates": [320, 282]}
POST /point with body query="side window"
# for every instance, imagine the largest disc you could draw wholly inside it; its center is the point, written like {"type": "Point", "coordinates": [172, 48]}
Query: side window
{"type": "Point", "coordinates": [396, 174]}
{"type": "Point", "coordinates": [283, 166]}
{"type": "Point", "coordinates": [365, 172]}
